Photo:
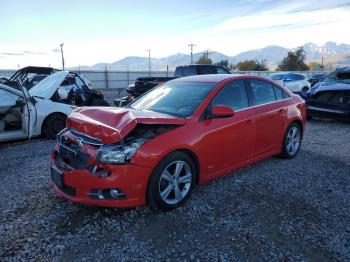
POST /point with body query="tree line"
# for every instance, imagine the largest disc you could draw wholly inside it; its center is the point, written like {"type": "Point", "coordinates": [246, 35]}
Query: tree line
{"type": "Point", "coordinates": [294, 61]}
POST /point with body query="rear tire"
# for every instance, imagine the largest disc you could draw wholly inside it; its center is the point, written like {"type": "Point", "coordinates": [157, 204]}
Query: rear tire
{"type": "Point", "coordinates": [171, 182]}
{"type": "Point", "coordinates": [53, 125]}
{"type": "Point", "coordinates": [291, 141]}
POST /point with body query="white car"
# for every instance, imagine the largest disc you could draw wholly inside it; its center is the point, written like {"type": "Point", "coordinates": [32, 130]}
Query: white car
{"type": "Point", "coordinates": [44, 108]}
{"type": "Point", "coordinates": [295, 82]}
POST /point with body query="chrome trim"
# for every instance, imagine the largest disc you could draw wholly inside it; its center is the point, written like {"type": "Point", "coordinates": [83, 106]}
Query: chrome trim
{"type": "Point", "coordinates": [83, 138]}
{"type": "Point", "coordinates": [249, 107]}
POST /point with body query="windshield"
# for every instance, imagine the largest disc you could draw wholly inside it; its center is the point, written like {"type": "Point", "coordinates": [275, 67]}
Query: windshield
{"type": "Point", "coordinates": [178, 99]}
{"type": "Point", "coordinates": [277, 76]}
{"type": "Point", "coordinates": [338, 77]}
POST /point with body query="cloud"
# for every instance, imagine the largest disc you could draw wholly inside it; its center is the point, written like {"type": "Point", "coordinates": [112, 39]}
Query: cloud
{"type": "Point", "coordinates": [22, 53]}
{"type": "Point", "coordinates": [33, 53]}
{"type": "Point", "coordinates": [11, 54]}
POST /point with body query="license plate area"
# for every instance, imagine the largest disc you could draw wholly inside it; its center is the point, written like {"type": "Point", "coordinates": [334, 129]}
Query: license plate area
{"type": "Point", "coordinates": [57, 177]}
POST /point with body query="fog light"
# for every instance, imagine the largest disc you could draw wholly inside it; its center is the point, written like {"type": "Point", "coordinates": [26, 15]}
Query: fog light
{"type": "Point", "coordinates": [114, 193]}
{"type": "Point", "coordinates": [107, 194]}
{"type": "Point", "coordinates": [100, 194]}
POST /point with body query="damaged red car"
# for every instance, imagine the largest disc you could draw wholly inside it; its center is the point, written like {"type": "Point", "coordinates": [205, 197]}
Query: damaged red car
{"type": "Point", "coordinates": [184, 132]}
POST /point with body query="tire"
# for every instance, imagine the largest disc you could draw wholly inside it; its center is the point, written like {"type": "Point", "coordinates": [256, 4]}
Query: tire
{"type": "Point", "coordinates": [168, 190]}
{"type": "Point", "coordinates": [53, 125]}
{"type": "Point", "coordinates": [99, 102]}
{"type": "Point", "coordinates": [291, 141]}
{"type": "Point", "coordinates": [305, 89]}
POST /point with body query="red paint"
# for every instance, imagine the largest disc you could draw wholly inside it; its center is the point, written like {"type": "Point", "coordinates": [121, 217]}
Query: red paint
{"type": "Point", "coordinates": [219, 144]}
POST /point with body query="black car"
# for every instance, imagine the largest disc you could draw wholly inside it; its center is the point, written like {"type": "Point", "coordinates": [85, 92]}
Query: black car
{"type": "Point", "coordinates": [331, 96]}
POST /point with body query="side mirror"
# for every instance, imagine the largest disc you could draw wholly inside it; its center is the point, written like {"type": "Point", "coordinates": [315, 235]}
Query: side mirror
{"type": "Point", "coordinates": [221, 111]}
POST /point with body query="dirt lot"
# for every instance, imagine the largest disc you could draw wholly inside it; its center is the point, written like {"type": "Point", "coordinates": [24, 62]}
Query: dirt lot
{"type": "Point", "coordinates": [290, 210]}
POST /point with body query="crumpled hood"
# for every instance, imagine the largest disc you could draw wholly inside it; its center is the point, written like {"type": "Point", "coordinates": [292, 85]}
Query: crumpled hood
{"type": "Point", "coordinates": [112, 124]}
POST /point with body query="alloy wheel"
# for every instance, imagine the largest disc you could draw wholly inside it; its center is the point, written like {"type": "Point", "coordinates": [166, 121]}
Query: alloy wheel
{"type": "Point", "coordinates": [175, 182]}
{"type": "Point", "coordinates": [293, 140]}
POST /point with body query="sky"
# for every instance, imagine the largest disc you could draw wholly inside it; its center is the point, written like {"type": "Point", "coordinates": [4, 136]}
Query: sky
{"type": "Point", "coordinates": [105, 31]}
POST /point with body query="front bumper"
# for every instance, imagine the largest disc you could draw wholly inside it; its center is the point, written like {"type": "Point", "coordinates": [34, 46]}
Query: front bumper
{"type": "Point", "coordinates": [77, 185]}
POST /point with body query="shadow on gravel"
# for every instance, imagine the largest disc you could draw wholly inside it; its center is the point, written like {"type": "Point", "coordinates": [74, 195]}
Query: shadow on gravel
{"type": "Point", "coordinates": [84, 215]}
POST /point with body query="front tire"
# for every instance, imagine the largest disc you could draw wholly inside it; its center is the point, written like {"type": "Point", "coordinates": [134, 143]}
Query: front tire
{"type": "Point", "coordinates": [53, 125]}
{"type": "Point", "coordinates": [305, 89]}
{"type": "Point", "coordinates": [171, 182]}
{"type": "Point", "coordinates": [291, 141]}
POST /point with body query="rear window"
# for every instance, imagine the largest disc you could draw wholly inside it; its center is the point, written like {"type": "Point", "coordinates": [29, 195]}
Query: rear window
{"type": "Point", "coordinates": [337, 77]}
{"type": "Point", "coordinates": [206, 70]}
{"type": "Point", "coordinates": [263, 92]}
{"type": "Point", "coordinates": [298, 77]}
{"type": "Point", "coordinates": [189, 71]}
{"type": "Point", "coordinates": [277, 76]}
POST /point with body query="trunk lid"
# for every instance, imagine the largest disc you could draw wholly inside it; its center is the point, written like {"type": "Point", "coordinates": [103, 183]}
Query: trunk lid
{"type": "Point", "coordinates": [110, 125]}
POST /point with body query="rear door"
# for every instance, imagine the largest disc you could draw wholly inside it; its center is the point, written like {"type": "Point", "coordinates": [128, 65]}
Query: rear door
{"type": "Point", "coordinates": [270, 115]}
{"type": "Point", "coordinates": [229, 141]}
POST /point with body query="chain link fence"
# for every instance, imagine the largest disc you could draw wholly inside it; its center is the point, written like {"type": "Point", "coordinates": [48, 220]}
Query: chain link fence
{"type": "Point", "coordinates": [121, 79]}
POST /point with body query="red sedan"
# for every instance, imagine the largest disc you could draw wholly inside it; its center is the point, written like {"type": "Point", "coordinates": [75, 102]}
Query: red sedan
{"type": "Point", "coordinates": [186, 131]}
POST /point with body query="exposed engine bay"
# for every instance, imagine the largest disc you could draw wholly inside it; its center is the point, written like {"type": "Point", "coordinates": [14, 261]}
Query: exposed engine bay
{"type": "Point", "coordinates": [146, 132]}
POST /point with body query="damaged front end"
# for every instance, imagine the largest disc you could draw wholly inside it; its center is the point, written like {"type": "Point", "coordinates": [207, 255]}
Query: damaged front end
{"type": "Point", "coordinates": [122, 151]}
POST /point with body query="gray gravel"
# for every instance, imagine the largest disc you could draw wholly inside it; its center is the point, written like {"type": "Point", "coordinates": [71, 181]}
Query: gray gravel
{"type": "Point", "coordinates": [289, 210]}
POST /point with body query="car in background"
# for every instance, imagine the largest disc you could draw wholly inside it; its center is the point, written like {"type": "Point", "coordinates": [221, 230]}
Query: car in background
{"type": "Point", "coordinates": [316, 78]}
{"type": "Point", "coordinates": [331, 96]}
{"type": "Point", "coordinates": [295, 82]}
{"type": "Point", "coordinates": [156, 149]}
{"type": "Point", "coordinates": [43, 109]}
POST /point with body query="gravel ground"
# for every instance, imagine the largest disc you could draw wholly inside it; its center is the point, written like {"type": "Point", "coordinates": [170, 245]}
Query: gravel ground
{"type": "Point", "coordinates": [289, 210]}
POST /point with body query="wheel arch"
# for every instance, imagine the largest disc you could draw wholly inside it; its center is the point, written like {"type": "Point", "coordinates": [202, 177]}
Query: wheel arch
{"type": "Point", "coordinates": [47, 117]}
{"type": "Point", "coordinates": [300, 123]}
{"type": "Point", "coordinates": [186, 151]}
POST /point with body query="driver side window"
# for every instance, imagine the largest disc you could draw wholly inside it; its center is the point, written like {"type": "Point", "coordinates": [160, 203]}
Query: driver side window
{"type": "Point", "coordinates": [233, 94]}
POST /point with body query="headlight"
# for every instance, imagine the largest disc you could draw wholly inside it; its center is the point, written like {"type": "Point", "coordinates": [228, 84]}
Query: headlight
{"type": "Point", "coordinates": [117, 154]}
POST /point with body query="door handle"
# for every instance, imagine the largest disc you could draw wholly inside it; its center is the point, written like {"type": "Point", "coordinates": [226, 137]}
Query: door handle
{"type": "Point", "coordinates": [249, 122]}
{"type": "Point", "coordinates": [282, 110]}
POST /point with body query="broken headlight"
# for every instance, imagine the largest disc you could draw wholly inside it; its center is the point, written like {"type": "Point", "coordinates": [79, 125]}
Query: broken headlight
{"type": "Point", "coordinates": [118, 154]}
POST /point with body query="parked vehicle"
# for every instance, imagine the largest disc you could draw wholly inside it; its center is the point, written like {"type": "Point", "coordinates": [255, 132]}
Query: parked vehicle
{"type": "Point", "coordinates": [295, 82]}
{"type": "Point", "coordinates": [44, 108]}
{"type": "Point", "coordinates": [27, 76]}
{"type": "Point", "coordinates": [155, 150]}
{"type": "Point", "coordinates": [331, 97]}
{"type": "Point", "coordinates": [144, 84]}
{"type": "Point", "coordinates": [316, 78]}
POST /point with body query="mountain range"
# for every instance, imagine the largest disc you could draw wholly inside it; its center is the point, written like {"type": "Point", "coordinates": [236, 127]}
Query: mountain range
{"type": "Point", "coordinates": [332, 53]}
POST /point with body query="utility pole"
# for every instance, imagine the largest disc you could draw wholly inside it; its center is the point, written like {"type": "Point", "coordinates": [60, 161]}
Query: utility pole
{"type": "Point", "coordinates": [191, 45]}
{"type": "Point", "coordinates": [149, 61]}
{"type": "Point", "coordinates": [61, 45]}
{"type": "Point", "coordinates": [207, 53]}
{"type": "Point", "coordinates": [322, 63]}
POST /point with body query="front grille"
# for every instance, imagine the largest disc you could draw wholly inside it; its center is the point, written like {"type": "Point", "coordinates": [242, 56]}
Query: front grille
{"type": "Point", "coordinates": [73, 157]}
{"type": "Point", "coordinates": [86, 139]}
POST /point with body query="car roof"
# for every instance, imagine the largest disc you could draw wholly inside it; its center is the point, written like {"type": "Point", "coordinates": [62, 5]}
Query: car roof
{"type": "Point", "coordinates": [213, 78]}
